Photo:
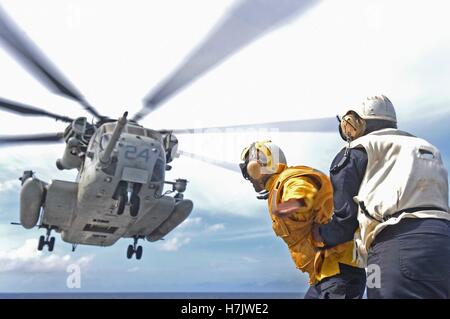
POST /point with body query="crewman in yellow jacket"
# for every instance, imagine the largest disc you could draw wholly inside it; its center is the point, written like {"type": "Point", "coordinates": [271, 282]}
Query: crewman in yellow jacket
{"type": "Point", "coordinates": [298, 198]}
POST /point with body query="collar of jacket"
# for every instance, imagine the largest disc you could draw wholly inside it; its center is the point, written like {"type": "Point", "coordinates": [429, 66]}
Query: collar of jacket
{"type": "Point", "coordinates": [271, 181]}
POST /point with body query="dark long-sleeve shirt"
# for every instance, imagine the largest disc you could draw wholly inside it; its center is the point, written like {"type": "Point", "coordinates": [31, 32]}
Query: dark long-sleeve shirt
{"type": "Point", "coordinates": [346, 181]}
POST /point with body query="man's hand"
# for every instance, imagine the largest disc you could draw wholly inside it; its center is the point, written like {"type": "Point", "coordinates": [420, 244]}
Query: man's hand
{"type": "Point", "coordinates": [288, 208]}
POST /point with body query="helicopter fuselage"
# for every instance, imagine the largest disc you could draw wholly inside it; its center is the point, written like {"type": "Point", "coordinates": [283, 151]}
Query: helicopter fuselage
{"type": "Point", "coordinates": [114, 198]}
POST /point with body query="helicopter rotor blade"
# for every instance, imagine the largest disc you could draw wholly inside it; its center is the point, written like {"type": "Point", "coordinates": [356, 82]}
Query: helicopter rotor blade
{"type": "Point", "coordinates": [222, 164]}
{"type": "Point", "coordinates": [28, 139]}
{"type": "Point", "coordinates": [247, 21]}
{"type": "Point", "coordinates": [324, 125]}
{"type": "Point", "coordinates": [39, 66]}
{"type": "Point", "coordinates": [16, 107]}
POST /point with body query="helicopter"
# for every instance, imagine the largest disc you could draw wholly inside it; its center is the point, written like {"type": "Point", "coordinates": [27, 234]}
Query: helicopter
{"type": "Point", "coordinates": [119, 189]}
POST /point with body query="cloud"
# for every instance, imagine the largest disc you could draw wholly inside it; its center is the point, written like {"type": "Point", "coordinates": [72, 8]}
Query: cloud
{"type": "Point", "coordinates": [134, 269]}
{"type": "Point", "coordinates": [215, 228]}
{"type": "Point", "coordinates": [194, 226]}
{"type": "Point", "coordinates": [27, 259]}
{"type": "Point", "coordinates": [248, 234]}
{"type": "Point", "coordinates": [9, 185]}
{"type": "Point", "coordinates": [191, 222]}
{"type": "Point", "coordinates": [191, 228]}
{"type": "Point", "coordinates": [174, 243]}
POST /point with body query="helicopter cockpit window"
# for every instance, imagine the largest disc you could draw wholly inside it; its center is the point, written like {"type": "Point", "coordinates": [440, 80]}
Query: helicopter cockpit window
{"type": "Point", "coordinates": [109, 127]}
{"type": "Point", "coordinates": [136, 130]}
{"type": "Point", "coordinates": [95, 140]}
{"type": "Point", "coordinates": [153, 134]}
{"type": "Point", "coordinates": [158, 171]}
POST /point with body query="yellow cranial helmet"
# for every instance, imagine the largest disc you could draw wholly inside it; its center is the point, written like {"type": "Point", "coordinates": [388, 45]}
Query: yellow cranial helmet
{"type": "Point", "coordinates": [261, 158]}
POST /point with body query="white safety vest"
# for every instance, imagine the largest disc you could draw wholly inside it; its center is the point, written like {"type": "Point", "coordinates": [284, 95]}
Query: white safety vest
{"type": "Point", "coordinates": [404, 173]}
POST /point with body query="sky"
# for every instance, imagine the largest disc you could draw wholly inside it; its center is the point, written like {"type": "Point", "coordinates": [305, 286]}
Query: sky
{"type": "Point", "coordinates": [316, 65]}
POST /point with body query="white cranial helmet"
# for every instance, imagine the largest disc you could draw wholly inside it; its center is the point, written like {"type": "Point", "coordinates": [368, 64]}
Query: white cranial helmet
{"type": "Point", "coordinates": [376, 108]}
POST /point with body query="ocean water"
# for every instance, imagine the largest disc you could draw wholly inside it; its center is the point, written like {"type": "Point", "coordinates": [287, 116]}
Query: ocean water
{"type": "Point", "coordinates": [143, 296]}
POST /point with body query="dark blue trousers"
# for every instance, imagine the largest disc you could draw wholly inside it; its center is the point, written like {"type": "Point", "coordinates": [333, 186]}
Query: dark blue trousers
{"type": "Point", "coordinates": [413, 258]}
{"type": "Point", "coordinates": [349, 284]}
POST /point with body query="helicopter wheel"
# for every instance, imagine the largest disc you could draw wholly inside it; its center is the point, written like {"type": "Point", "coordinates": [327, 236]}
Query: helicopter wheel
{"type": "Point", "coordinates": [41, 243]}
{"type": "Point", "coordinates": [139, 252]}
{"type": "Point", "coordinates": [51, 244]}
{"type": "Point", "coordinates": [130, 251]}
{"type": "Point", "coordinates": [135, 201]}
{"type": "Point", "coordinates": [135, 204]}
{"type": "Point", "coordinates": [121, 195]}
{"type": "Point", "coordinates": [123, 199]}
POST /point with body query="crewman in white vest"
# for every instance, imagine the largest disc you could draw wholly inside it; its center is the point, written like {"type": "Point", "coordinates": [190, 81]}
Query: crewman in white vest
{"type": "Point", "coordinates": [401, 202]}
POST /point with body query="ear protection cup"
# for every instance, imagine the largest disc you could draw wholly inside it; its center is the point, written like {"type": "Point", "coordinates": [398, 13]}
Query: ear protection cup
{"type": "Point", "coordinates": [254, 169]}
{"type": "Point", "coordinates": [342, 133]}
{"type": "Point", "coordinates": [352, 126]}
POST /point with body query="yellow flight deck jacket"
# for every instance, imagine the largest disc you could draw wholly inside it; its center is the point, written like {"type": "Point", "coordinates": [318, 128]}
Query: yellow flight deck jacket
{"type": "Point", "coordinates": [315, 189]}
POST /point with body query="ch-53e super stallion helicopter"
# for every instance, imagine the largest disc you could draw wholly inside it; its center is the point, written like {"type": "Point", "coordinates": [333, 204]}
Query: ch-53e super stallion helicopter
{"type": "Point", "coordinates": [119, 189]}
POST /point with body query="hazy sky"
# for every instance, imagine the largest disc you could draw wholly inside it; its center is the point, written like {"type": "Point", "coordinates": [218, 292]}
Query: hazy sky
{"type": "Point", "coordinates": [315, 66]}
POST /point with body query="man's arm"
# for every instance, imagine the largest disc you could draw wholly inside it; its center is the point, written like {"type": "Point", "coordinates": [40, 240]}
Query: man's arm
{"type": "Point", "coordinates": [346, 182]}
{"type": "Point", "coordinates": [289, 207]}
{"type": "Point", "coordinates": [298, 197]}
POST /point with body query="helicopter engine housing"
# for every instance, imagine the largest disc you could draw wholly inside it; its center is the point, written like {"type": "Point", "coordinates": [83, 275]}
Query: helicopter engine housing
{"type": "Point", "coordinates": [70, 159]}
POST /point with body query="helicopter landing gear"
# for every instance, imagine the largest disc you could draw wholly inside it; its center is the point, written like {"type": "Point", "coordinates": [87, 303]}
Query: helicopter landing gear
{"type": "Point", "coordinates": [74, 247]}
{"type": "Point", "coordinates": [46, 241]}
{"type": "Point", "coordinates": [125, 198]}
{"type": "Point", "coordinates": [135, 250]}
{"type": "Point", "coordinates": [121, 195]}
{"type": "Point", "coordinates": [135, 201]}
